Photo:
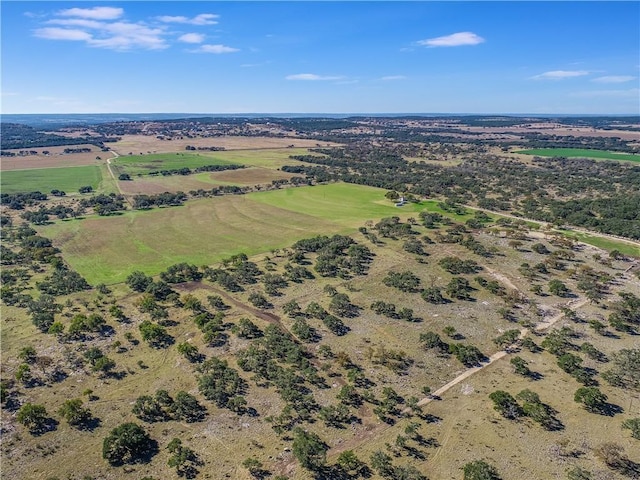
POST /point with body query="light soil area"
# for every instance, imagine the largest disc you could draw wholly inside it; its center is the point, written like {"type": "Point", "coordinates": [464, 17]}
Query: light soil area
{"type": "Point", "coordinates": [137, 144]}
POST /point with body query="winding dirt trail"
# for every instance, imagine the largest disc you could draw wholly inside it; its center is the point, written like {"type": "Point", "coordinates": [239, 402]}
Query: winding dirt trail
{"type": "Point", "coordinates": [544, 325]}
{"type": "Point", "coordinates": [573, 305]}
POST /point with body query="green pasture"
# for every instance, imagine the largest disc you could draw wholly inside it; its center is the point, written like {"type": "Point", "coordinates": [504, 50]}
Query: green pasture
{"type": "Point", "coordinates": [265, 158]}
{"type": "Point", "coordinates": [143, 164]}
{"type": "Point", "coordinates": [608, 244]}
{"type": "Point", "coordinates": [67, 179]}
{"type": "Point", "coordinates": [107, 249]}
{"type": "Point", "coordinates": [581, 153]}
{"type": "Point", "coordinates": [343, 203]}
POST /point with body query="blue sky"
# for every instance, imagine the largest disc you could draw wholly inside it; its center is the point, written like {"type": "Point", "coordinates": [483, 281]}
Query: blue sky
{"type": "Point", "coordinates": [320, 57]}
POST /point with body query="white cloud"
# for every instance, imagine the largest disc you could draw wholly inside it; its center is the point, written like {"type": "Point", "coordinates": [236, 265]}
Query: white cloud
{"type": "Point", "coordinates": [191, 38]}
{"type": "Point", "coordinates": [393, 77]}
{"type": "Point", "coordinates": [202, 19]}
{"type": "Point", "coordinates": [76, 22]}
{"type": "Point", "coordinates": [63, 34]}
{"type": "Point", "coordinates": [614, 79]}
{"type": "Point", "coordinates": [311, 77]}
{"type": "Point", "coordinates": [453, 40]}
{"type": "Point", "coordinates": [217, 49]}
{"type": "Point", "coordinates": [560, 74]}
{"type": "Point", "coordinates": [103, 34]}
{"type": "Point", "coordinates": [101, 27]}
{"type": "Point", "coordinates": [125, 36]}
{"type": "Point", "coordinates": [96, 13]}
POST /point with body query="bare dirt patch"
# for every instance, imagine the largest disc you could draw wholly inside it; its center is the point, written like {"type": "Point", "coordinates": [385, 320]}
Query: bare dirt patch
{"type": "Point", "coordinates": [137, 144]}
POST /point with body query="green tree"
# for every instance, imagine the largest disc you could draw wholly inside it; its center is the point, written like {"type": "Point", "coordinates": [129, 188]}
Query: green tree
{"type": "Point", "coordinates": [254, 466]}
{"type": "Point", "coordinates": [28, 354]}
{"type": "Point", "coordinates": [309, 449]}
{"type": "Point", "coordinates": [186, 407]}
{"type": "Point", "coordinates": [190, 352]}
{"type": "Point", "coordinates": [556, 287]}
{"type": "Point", "coordinates": [349, 462]}
{"type": "Point", "coordinates": [480, 470]}
{"type": "Point", "coordinates": [433, 295]}
{"type": "Point", "coordinates": [459, 288]}
{"type": "Point", "coordinates": [520, 366]}
{"type": "Point", "coordinates": [127, 443]}
{"type": "Point", "coordinates": [633, 424]}
{"type": "Point", "coordinates": [138, 281]}
{"type": "Point", "coordinates": [591, 397]}
{"type": "Point", "coordinates": [505, 404]}
{"type": "Point", "coordinates": [154, 334]}
{"type": "Point", "coordinates": [23, 374]}
{"type": "Point", "coordinates": [74, 413]}
{"type": "Point", "coordinates": [182, 458]}
{"type": "Point", "coordinates": [33, 416]}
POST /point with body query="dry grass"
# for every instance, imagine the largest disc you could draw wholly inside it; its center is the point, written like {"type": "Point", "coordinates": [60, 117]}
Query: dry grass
{"type": "Point", "coordinates": [56, 158]}
{"type": "Point", "coordinates": [463, 424]}
{"type": "Point", "coordinates": [137, 144]}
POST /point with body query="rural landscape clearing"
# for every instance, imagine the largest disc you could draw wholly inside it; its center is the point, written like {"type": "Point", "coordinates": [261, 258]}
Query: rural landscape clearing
{"type": "Point", "coordinates": [202, 278]}
{"type": "Point", "coordinates": [248, 300]}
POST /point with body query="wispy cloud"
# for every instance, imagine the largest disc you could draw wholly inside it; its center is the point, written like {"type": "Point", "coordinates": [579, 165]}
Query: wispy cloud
{"type": "Point", "coordinates": [202, 19]}
{"type": "Point", "coordinates": [105, 27]}
{"type": "Point", "coordinates": [312, 77]}
{"type": "Point", "coordinates": [391, 78]}
{"type": "Point", "coordinates": [95, 27]}
{"type": "Point", "coordinates": [217, 49]}
{"type": "Point", "coordinates": [54, 33]}
{"type": "Point", "coordinates": [614, 79]}
{"type": "Point", "coordinates": [96, 13]}
{"type": "Point", "coordinates": [560, 74]}
{"type": "Point", "coordinates": [191, 38]}
{"type": "Point", "coordinates": [454, 40]}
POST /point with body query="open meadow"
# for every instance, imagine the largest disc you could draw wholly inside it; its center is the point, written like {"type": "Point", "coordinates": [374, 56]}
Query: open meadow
{"type": "Point", "coordinates": [580, 153]}
{"type": "Point", "coordinates": [67, 179]}
{"type": "Point", "coordinates": [107, 249]}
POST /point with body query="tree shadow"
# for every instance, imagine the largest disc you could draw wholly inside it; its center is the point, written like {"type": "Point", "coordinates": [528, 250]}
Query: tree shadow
{"type": "Point", "coordinates": [48, 425]}
{"type": "Point", "coordinates": [609, 409]}
{"type": "Point", "coordinates": [90, 424]}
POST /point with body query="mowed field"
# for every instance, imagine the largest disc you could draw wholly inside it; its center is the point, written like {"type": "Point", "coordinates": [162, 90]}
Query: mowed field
{"type": "Point", "coordinates": [580, 153]}
{"type": "Point", "coordinates": [67, 179]}
{"type": "Point", "coordinates": [144, 164]}
{"type": "Point", "coordinates": [261, 167]}
{"type": "Point", "coordinates": [107, 249]}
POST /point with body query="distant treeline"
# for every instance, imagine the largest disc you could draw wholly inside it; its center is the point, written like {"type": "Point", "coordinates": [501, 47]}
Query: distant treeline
{"type": "Point", "coordinates": [15, 135]}
{"type": "Point", "coordinates": [189, 171]}
{"type": "Point", "coordinates": [602, 196]}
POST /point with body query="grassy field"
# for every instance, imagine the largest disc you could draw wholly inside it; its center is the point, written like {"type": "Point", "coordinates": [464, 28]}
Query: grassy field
{"type": "Point", "coordinates": [343, 203]}
{"type": "Point", "coordinates": [204, 231]}
{"type": "Point", "coordinates": [604, 243]}
{"type": "Point", "coordinates": [579, 152]}
{"type": "Point", "coordinates": [143, 164]}
{"type": "Point", "coordinates": [460, 427]}
{"type": "Point", "coordinates": [264, 158]}
{"type": "Point", "coordinates": [68, 179]}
